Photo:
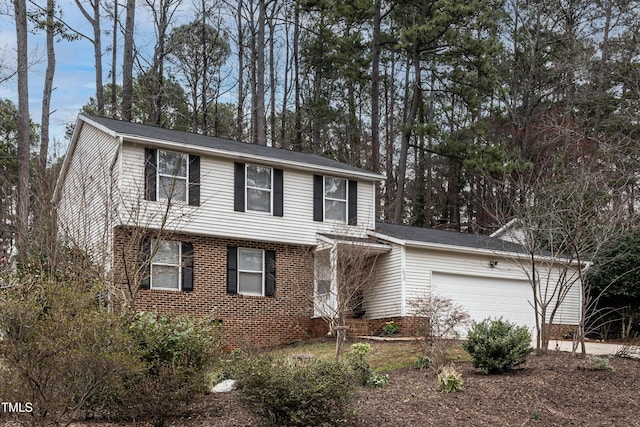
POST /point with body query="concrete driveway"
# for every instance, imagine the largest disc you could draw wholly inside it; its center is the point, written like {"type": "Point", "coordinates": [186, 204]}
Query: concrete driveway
{"type": "Point", "coordinates": [594, 347]}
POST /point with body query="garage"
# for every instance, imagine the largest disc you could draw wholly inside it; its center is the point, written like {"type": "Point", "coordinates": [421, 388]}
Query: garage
{"type": "Point", "coordinates": [484, 297]}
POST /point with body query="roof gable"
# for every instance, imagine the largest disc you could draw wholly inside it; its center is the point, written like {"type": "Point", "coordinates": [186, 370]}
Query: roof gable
{"type": "Point", "coordinates": [230, 148]}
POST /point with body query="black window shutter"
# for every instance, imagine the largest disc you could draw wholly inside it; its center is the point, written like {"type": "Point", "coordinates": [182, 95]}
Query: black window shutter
{"type": "Point", "coordinates": [194, 180]}
{"type": "Point", "coordinates": [145, 263]}
{"type": "Point", "coordinates": [318, 197]}
{"type": "Point", "coordinates": [232, 270]}
{"type": "Point", "coordinates": [270, 273]}
{"type": "Point", "coordinates": [238, 185]}
{"type": "Point", "coordinates": [353, 202]}
{"type": "Point", "coordinates": [150, 167]}
{"type": "Point", "coordinates": [278, 192]}
{"type": "Point", "coordinates": [187, 266]}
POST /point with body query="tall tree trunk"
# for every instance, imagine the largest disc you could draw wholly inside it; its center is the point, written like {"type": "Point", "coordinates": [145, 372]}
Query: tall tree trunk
{"type": "Point", "coordinates": [204, 96]}
{"type": "Point", "coordinates": [296, 74]}
{"type": "Point", "coordinates": [375, 98]}
{"type": "Point", "coordinates": [261, 125]}
{"type": "Point", "coordinates": [127, 62]}
{"type": "Point", "coordinates": [240, 110]}
{"type": "Point", "coordinates": [22, 209]}
{"type": "Point", "coordinates": [409, 122]}
{"type": "Point", "coordinates": [601, 73]}
{"type": "Point", "coordinates": [114, 61]}
{"type": "Point", "coordinates": [285, 90]}
{"type": "Point", "coordinates": [162, 12]}
{"type": "Point", "coordinates": [272, 78]}
{"type": "Point", "coordinates": [94, 20]}
{"type": "Point", "coordinates": [390, 103]}
{"type": "Point", "coordinates": [97, 53]}
{"type": "Point", "coordinates": [46, 111]}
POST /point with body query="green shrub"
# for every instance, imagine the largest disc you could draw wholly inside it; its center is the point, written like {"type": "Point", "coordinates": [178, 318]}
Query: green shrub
{"type": "Point", "coordinates": [390, 328]}
{"type": "Point", "coordinates": [450, 380]}
{"type": "Point", "coordinates": [286, 393]}
{"type": "Point", "coordinates": [497, 345]}
{"type": "Point", "coordinates": [177, 354]}
{"type": "Point", "coordinates": [359, 363]}
{"type": "Point", "coordinates": [596, 363]}
{"type": "Point", "coordinates": [423, 362]}
{"type": "Point", "coordinates": [378, 380]}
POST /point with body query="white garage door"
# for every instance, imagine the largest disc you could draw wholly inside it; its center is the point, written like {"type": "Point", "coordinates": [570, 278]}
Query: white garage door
{"type": "Point", "coordinates": [484, 297]}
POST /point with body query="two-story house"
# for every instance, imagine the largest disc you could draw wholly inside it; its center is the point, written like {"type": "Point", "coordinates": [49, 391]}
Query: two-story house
{"type": "Point", "coordinates": [185, 223]}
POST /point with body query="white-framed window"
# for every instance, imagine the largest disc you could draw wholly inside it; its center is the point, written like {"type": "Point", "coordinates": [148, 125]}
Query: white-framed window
{"type": "Point", "coordinates": [173, 173]}
{"type": "Point", "coordinates": [259, 187]}
{"type": "Point", "coordinates": [166, 265]}
{"type": "Point", "coordinates": [250, 271]}
{"type": "Point", "coordinates": [323, 272]}
{"type": "Point", "coordinates": [335, 199]}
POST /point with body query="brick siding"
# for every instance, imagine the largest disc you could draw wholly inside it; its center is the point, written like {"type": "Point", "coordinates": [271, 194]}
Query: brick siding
{"type": "Point", "coordinates": [248, 321]}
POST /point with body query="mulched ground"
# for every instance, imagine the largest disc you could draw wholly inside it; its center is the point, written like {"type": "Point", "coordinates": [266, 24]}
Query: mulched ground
{"type": "Point", "coordinates": [549, 390]}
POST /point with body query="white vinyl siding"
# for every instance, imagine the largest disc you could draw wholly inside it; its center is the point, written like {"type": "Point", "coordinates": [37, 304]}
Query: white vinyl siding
{"type": "Point", "coordinates": [216, 216]}
{"type": "Point", "coordinates": [88, 197]}
{"type": "Point", "coordinates": [407, 273]}
{"type": "Point", "coordinates": [384, 297]}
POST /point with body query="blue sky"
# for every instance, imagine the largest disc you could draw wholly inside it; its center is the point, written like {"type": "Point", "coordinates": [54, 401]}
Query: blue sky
{"type": "Point", "coordinates": [74, 79]}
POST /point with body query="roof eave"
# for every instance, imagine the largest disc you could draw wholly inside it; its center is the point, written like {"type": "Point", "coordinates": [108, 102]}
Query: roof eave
{"type": "Point", "coordinates": [465, 249]}
{"type": "Point", "coordinates": [368, 176]}
{"type": "Point", "coordinates": [364, 175]}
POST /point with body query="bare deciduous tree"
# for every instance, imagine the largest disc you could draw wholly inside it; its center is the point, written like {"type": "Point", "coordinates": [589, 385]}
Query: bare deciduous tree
{"type": "Point", "coordinates": [344, 270]}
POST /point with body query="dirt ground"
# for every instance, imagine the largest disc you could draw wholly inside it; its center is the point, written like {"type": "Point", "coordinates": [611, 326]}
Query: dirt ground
{"type": "Point", "coordinates": [550, 390]}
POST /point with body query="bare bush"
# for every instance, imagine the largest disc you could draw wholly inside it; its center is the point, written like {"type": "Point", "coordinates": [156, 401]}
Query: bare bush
{"type": "Point", "coordinates": [439, 322]}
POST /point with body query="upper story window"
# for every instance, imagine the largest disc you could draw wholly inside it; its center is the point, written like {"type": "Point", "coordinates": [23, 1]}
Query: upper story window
{"type": "Point", "coordinates": [335, 199]}
{"type": "Point", "coordinates": [172, 176]}
{"type": "Point", "coordinates": [258, 188]}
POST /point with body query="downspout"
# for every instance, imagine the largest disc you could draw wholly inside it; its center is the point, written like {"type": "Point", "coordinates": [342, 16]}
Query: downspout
{"type": "Point", "coordinates": [403, 281]}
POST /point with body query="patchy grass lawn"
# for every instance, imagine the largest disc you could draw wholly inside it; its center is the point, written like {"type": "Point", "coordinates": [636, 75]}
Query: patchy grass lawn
{"type": "Point", "coordinates": [386, 355]}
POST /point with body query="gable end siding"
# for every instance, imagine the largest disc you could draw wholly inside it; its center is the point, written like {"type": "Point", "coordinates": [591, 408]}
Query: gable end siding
{"type": "Point", "coordinates": [89, 194]}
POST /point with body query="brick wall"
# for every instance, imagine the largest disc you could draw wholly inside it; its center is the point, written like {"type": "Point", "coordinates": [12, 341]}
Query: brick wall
{"type": "Point", "coordinates": [248, 321]}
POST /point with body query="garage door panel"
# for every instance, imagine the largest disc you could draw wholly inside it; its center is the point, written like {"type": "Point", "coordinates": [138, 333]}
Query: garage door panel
{"type": "Point", "coordinates": [484, 297]}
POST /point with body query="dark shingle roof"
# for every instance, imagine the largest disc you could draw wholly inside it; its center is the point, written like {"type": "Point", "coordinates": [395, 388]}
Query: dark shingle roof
{"type": "Point", "coordinates": [451, 238]}
{"type": "Point", "coordinates": [232, 147]}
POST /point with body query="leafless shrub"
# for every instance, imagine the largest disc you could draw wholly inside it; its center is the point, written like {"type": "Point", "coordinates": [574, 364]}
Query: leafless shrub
{"type": "Point", "coordinates": [439, 321]}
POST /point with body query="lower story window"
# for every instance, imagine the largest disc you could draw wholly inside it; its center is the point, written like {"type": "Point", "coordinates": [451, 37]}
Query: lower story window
{"type": "Point", "coordinates": [250, 271]}
{"type": "Point", "coordinates": [166, 265]}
